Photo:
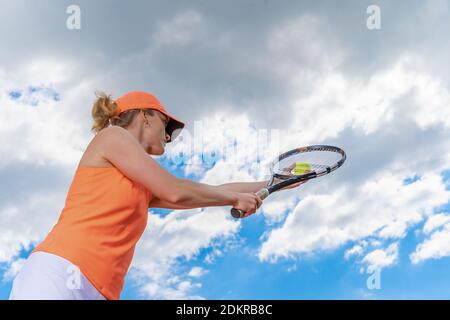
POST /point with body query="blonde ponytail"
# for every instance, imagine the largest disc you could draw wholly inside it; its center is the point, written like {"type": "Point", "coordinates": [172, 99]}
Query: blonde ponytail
{"type": "Point", "coordinates": [103, 110]}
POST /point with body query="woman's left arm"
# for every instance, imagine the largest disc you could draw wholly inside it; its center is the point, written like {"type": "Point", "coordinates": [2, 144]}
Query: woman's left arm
{"type": "Point", "coordinates": [241, 187]}
{"type": "Point", "coordinates": [247, 187]}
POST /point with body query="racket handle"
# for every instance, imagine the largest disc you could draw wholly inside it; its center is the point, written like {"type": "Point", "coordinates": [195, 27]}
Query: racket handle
{"type": "Point", "coordinates": [236, 213]}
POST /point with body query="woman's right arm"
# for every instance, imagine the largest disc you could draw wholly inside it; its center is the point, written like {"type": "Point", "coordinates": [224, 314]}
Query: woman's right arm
{"type": "Point", "coordinates": [121, 149]}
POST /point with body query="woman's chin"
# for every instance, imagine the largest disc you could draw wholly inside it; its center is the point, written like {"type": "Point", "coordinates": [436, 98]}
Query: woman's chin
{"type": "Point", "coordinates": [161, 151]}
{"type": "Point", "coordinates": [156, 152]}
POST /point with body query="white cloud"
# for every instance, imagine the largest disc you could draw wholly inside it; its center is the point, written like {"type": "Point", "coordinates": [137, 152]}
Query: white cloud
{"type": "Point", "coordinates": [435, 221]}
{"type": "Point", "coordinates": [173, 289]}
{"type": "Point", "coordinates": [379, 258]}
{"type": "Point", "coordinates": [13, 269]}
{"type": "Point", "coordinates": [48, 133]}
{"type": "Point", "coordinates": [232, 144]}
{"type": "Point", "coordinates": [296, 43]}
{"type": "Point", "coordinates": [279, 204]}
{"type": "Point", "coordinates": [197, 272]}
{"type": "Point", "coordinates": [435, 247]}
{"type": "Point", "coordinates": [181, 29]}
{"type": "Point", "coordinates": [26, 222]}
{"type": "Point", "coordinates": [210, 258]}
{"type": "Point", "coordinates": [356, 250]}
{"type": "Point", "coordinates": [337, 102]}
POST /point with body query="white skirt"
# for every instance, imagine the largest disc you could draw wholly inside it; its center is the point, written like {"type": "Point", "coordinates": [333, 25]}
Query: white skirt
{"type": "Point", "coordinates": [46, 276]}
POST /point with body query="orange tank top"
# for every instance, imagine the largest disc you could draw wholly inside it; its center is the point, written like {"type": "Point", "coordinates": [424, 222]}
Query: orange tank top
{"type": "Point", "coordinates": [104, 216]}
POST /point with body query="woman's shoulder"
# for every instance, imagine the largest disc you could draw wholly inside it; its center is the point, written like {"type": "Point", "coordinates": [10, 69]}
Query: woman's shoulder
{"type": "Point", "coordinates": [112, 134]}
{"type": "Point", "coordinates": [94, 154]}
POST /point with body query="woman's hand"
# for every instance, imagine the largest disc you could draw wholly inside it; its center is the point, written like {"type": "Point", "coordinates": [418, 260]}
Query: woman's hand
{"type": "Point", "coordinates": [247, 202]}
{"type": "Point", "coordinates": [295, 185]}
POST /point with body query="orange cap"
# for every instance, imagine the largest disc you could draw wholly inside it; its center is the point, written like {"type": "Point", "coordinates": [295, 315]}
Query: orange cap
{"type": "Point", "coordinates": [144, 100]}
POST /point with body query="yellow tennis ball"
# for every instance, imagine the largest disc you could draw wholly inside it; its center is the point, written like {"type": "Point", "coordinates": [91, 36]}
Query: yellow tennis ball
{"type": "Point", "coordinates": [301, 168]}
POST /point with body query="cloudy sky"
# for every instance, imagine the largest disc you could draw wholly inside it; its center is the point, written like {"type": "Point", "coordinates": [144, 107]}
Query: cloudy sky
{"type": "Point", "coordinates": [250, 78]}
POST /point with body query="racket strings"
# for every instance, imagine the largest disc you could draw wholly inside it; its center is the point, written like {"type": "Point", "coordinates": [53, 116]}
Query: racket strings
{"type": "Point", "coordinates": [304, 162]}
{"type": "Point", "coordinates": [318, 166]}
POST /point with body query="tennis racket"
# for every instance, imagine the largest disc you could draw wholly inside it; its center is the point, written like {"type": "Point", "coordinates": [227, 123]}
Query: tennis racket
{"type": "Point", "coordinates": [300, 164]}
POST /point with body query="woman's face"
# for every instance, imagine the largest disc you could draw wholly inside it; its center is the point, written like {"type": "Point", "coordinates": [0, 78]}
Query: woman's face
{"type": "Point", "coordinates": [155, 132]}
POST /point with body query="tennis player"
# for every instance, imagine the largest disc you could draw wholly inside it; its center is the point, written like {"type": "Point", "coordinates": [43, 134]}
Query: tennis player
{"type": "Point", "coordinates": [87, 253]}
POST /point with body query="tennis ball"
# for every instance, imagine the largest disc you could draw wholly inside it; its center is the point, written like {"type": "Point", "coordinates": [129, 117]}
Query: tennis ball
{"type": "Point", "coordinates": [301, 168]}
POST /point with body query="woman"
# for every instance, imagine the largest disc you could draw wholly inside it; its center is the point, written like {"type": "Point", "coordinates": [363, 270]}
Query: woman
{"type": "Point", "coordinates": [87, 253]}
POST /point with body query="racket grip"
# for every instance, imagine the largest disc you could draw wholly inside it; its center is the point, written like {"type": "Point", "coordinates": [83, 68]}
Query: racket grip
{"type": "Point", "coordinates": [236, 213]}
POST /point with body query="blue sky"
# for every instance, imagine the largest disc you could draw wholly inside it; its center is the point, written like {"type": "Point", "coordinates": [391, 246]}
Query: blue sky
{"type": "Point", "coordinates": [250, 80]}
